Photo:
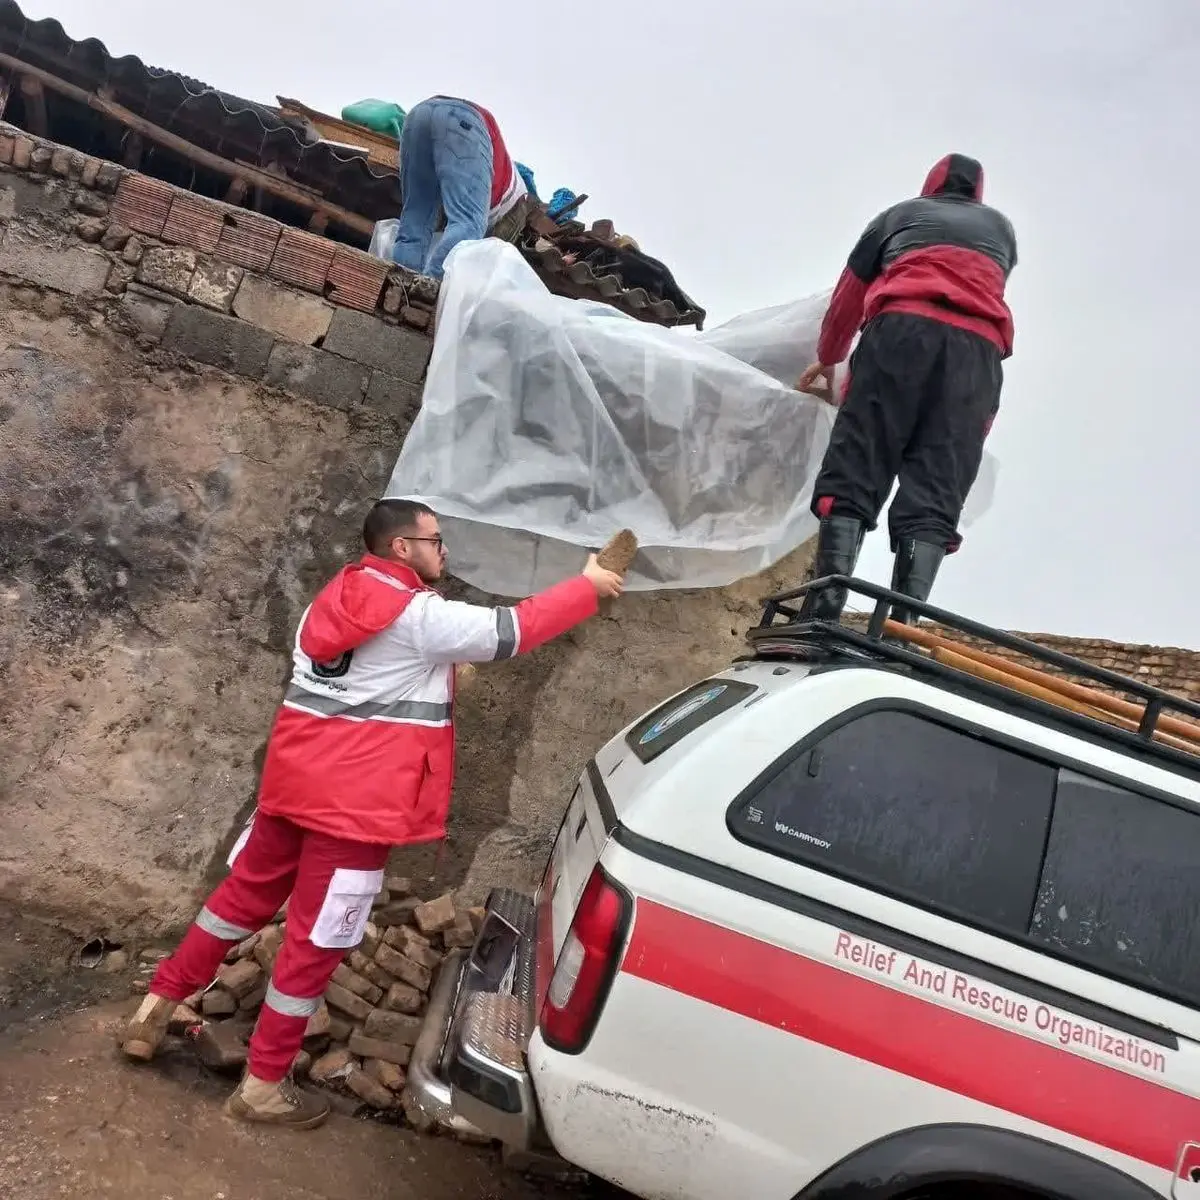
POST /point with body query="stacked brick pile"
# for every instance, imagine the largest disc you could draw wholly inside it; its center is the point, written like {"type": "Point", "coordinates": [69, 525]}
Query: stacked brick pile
{"type": "Point", "coordinates": [360, 1041]}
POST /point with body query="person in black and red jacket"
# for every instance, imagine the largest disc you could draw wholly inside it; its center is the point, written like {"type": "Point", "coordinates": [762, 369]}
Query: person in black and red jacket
{"type": "Point", "coordinates": [926, 284]}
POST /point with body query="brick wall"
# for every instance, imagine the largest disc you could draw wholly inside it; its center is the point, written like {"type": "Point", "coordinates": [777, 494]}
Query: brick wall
{"type": "Point", "coordinates": [210, 282]}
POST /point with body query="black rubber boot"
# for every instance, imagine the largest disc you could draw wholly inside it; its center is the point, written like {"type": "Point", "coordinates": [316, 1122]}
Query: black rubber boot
{"type": "Point", "coordinates": [915, 570]}
{"type": "Point", "coordinates": [839, 540]}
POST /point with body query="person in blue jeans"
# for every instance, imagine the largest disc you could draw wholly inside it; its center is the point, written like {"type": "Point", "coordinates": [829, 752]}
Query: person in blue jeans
{"type": "Point", "coordinates": [453, 158]}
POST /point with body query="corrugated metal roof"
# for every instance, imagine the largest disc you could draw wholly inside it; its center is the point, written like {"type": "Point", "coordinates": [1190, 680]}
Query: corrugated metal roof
{"type": "Point", "coordinates": [249, 132]}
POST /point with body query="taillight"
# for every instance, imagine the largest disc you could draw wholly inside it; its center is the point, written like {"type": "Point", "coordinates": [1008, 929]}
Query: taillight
{"type": "Point", "coordinates": [586, 965]}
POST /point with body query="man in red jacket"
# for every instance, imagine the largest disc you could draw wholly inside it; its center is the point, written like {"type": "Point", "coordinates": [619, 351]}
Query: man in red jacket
{"type": "Point", "coordinates": [926, 282]}
{"type": "Point", "coordinates": [361, 758]}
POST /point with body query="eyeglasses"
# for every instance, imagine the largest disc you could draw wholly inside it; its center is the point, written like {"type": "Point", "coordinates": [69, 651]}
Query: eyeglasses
{"type": "Point", "coordinates": [438, 541]}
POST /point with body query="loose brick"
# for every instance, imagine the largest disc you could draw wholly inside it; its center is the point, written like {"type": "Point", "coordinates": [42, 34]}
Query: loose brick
{"type": "Point", "coordinates": [393, 299]}
{"type": "Point", "coordinates": [183, 1018]}
{"type": "Point", "coordinates": [318, 1023]}
{"type": "Point", "coordinates": [347, 1002]}
{"type": "Point", "coordinates": [396, 912]}
{"type": "Point", "coordinates": [393, 397]}
{"type": "Point", "coordinates": [367, 1087]}
{"type": "Point", "coordinates": [369, 969]}
{"type": "Point", "coordinates": [370, 939]}
{"type": "Point", "coordinates": [461, 935]}
{"type": "Point", "coordinates": [39, 160]}
{"type": "Point", "coordinates": [340, 1027]}
{"type": "Point", "coordinates": [436, 915]}
{"type": "Point", "coordinates": [391, 1076]}
{"type": "Point", "coordinates": [477, 917]}
{"type": "Point", "coordinates": [297, 316]}
{"type": "Point", "coordinates": [240, 978]}
{"type": "Point", "coordinates": [91, 204]}
{"type": "Point", "coordinates": [74, 270]}
{"type": "Point", "coordinates": [403, 998]}
{"type": "Point", "coordinates": [332, 1067]}
{"type": "Point", "coordinates": [353, 982]}
{"type": "Point", "coordinates": [218, 1003]}
{"type": "Point", "coordinates": [89, 229]}
{"type": "Point", "coordinates": [215, 284]}
{"type": "Point", "coordinates": [403, 968]}
{"type": "Point", "coordinates": [317, 376]}
{"type": "Point", "coordinates": [116, 237]}
{"type": "Point", "coordinates": [372, 342]}
{"type": "Point", "coordinates": [393, 1027]}
{"type": "Point", "coordinates": [90, 175]}
{"type": "Point", "coordinates": [253, 1000]}
{"type": "Point", "coordinates": [220, 1045]}
{"type": "Point", "coordinates": [168, 269]}
{"type": "Point", "coordinates": [398, 1053]}
{"type": "Point", "coordinates": [413, 945]}
{"type": "Point", "coordinates": [266, 949]}
{"type": "Point", "coordinates": [301, 1064]}
{"type": "Point", "coordinates": [109, 177]}
{"type": "Point", "coordinates": [218, 340]}
{"type": "Point", "coordinates": [398, 886]}
{"type": "Point", "coordinates": [134, 249]}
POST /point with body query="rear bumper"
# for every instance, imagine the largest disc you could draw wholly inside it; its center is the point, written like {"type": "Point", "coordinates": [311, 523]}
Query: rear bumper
{"type": "Point", "coordinates": [468, 1071]}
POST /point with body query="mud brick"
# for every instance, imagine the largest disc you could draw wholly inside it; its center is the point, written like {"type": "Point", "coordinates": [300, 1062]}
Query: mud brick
{"type": "Point", "coordinates": [220, 1045]}
{"type": "Point", "coordinates": [402, 998]}
{"type": "Point", "coordinates": [340, 1028]}
{"type": "Point", "coordinates": [477, 917]}
{"type": "Point", "coordinates": [368, 1088]}
{"type": "Point", "coordinates": [143, 204]}
{"type": "Point", "coordinates": [183, 1018]}
{"type": "Point", "coordinates": [413, 945]}
{"type": "Point", "coordinates": [461, 936]}
{"type": "Point", "coordinates": [240, 978]}
{"type": "Point", "coordinates": [393, 1027]}
{"type": "Point", "coordinates": [397, 912]}
{"type": "Point", "coordinates": [266, 949]}
{"type": "Point", "coordinates": [353, 982]}
{"type": "Point", "coordinates": [253, 1000]}
{"type": "Point", "coordinates": [333, 1066]}
{"type": "Point", "coordinates": [368, 968]}
{"type": "Point", "coordinates": [436, 915]}
{"type": "Point", "coordinates": [218, 1003]}
{"type": "Point", "coordinates": [404, 969]}
{"type": "Point", "coordinates": [398, 886]}
{"type": "Point", "coordinates": [370, 939]}
{"type": "Point", "coordinates": [368, 1047]}
{"type": "Point", "coordinates": [246, 949]}
{"type": "Point", "coordinates": [347, 1002]}
{"type": "Point", "coordinates": [391, 1076]}
{"type": "Point", "coordinates": [318, 1023]}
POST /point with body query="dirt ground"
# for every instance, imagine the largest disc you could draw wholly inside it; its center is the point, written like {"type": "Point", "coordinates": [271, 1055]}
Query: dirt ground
{"type": "Point", "coordinates": [77, 1121]}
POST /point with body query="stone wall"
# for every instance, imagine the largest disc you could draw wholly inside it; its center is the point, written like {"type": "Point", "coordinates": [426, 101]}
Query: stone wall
{"type": "Point", "coordinates": [196, 407]}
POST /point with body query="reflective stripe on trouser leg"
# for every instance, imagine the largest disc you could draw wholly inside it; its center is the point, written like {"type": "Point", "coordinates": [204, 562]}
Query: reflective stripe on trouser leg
{"type": "Point", "coordinates": [227, 931]}
{"type": "Point", "coordinates": [291, 1006]}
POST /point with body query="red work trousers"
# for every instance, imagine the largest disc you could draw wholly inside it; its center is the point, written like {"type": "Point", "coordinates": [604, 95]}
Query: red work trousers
{"type": "Point", "coordinates": [329, 886]}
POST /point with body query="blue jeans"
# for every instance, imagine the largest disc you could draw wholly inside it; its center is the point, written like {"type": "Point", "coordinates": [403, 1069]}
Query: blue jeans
{"type": "Point", "coordinates": [446, 160]}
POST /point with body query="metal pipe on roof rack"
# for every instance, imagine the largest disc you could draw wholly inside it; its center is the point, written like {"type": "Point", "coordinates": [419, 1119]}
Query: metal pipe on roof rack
{"type": "Point", "coordinates": [270, 184]}
{"type": "Point", "coordinates": [1186, 730]}
{"type": "Point", "coordinates": [1009, 641]}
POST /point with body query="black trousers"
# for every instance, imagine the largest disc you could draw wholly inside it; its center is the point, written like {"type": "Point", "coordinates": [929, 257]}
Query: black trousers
{"type": "Point", "coordinates": [921, 400]}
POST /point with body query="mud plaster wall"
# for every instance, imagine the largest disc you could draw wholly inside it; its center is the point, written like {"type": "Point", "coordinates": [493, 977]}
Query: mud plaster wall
{"type": "Point", "coordinates": [175, 484]}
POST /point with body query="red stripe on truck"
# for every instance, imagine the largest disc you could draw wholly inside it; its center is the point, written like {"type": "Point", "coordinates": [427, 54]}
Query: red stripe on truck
{"type": "Point", "coordinates": [919, 1038]}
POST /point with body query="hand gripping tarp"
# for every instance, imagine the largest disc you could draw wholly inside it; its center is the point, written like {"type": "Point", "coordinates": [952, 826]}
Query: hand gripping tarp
{"type": "Point", "coordinates": [548, 424]}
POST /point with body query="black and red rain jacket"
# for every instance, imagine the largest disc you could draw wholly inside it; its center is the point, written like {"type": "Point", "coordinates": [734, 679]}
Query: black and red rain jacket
{"type": "Point", "coordinates": [944, 255]}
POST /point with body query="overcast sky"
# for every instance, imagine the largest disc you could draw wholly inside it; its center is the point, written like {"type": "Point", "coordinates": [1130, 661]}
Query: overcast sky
{"type": "Point", "coordinates": [745, 143]}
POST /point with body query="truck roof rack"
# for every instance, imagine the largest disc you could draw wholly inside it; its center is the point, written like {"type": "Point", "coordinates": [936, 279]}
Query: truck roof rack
{"type": "Point", "coordinates": [1147, 724]}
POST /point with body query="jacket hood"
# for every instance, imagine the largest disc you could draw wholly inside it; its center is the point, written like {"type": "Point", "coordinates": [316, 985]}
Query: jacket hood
{"type": "Point", "coordinates": [354, 606]}
{"type": "Point", "coordinates": [955, 175]}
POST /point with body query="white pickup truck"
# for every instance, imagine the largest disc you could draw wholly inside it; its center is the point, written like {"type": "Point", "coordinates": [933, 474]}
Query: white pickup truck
{"type": "Point", "coordinates": [847, 921]}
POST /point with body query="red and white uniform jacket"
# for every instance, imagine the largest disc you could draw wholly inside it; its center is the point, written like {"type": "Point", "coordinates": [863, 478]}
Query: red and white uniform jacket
{"type": "Point", "coordinates": [363, 747]}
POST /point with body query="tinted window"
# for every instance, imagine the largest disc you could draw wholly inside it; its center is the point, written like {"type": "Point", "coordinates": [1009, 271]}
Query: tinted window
{"type": "Point", "coordinates": [1121, 887]}
{"type": "Point", "coordinates": [915, 809]}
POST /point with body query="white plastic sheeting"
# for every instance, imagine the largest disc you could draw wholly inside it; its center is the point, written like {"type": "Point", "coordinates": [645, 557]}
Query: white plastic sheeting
{"type": "Point", "coordinates": [548, 424]}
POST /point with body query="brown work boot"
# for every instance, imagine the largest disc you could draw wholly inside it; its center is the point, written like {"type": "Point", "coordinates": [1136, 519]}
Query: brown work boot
{"type": "Point", "coordinates": [142, 1036]}
{"type": "Point", "coordinates": [276, 1104]}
